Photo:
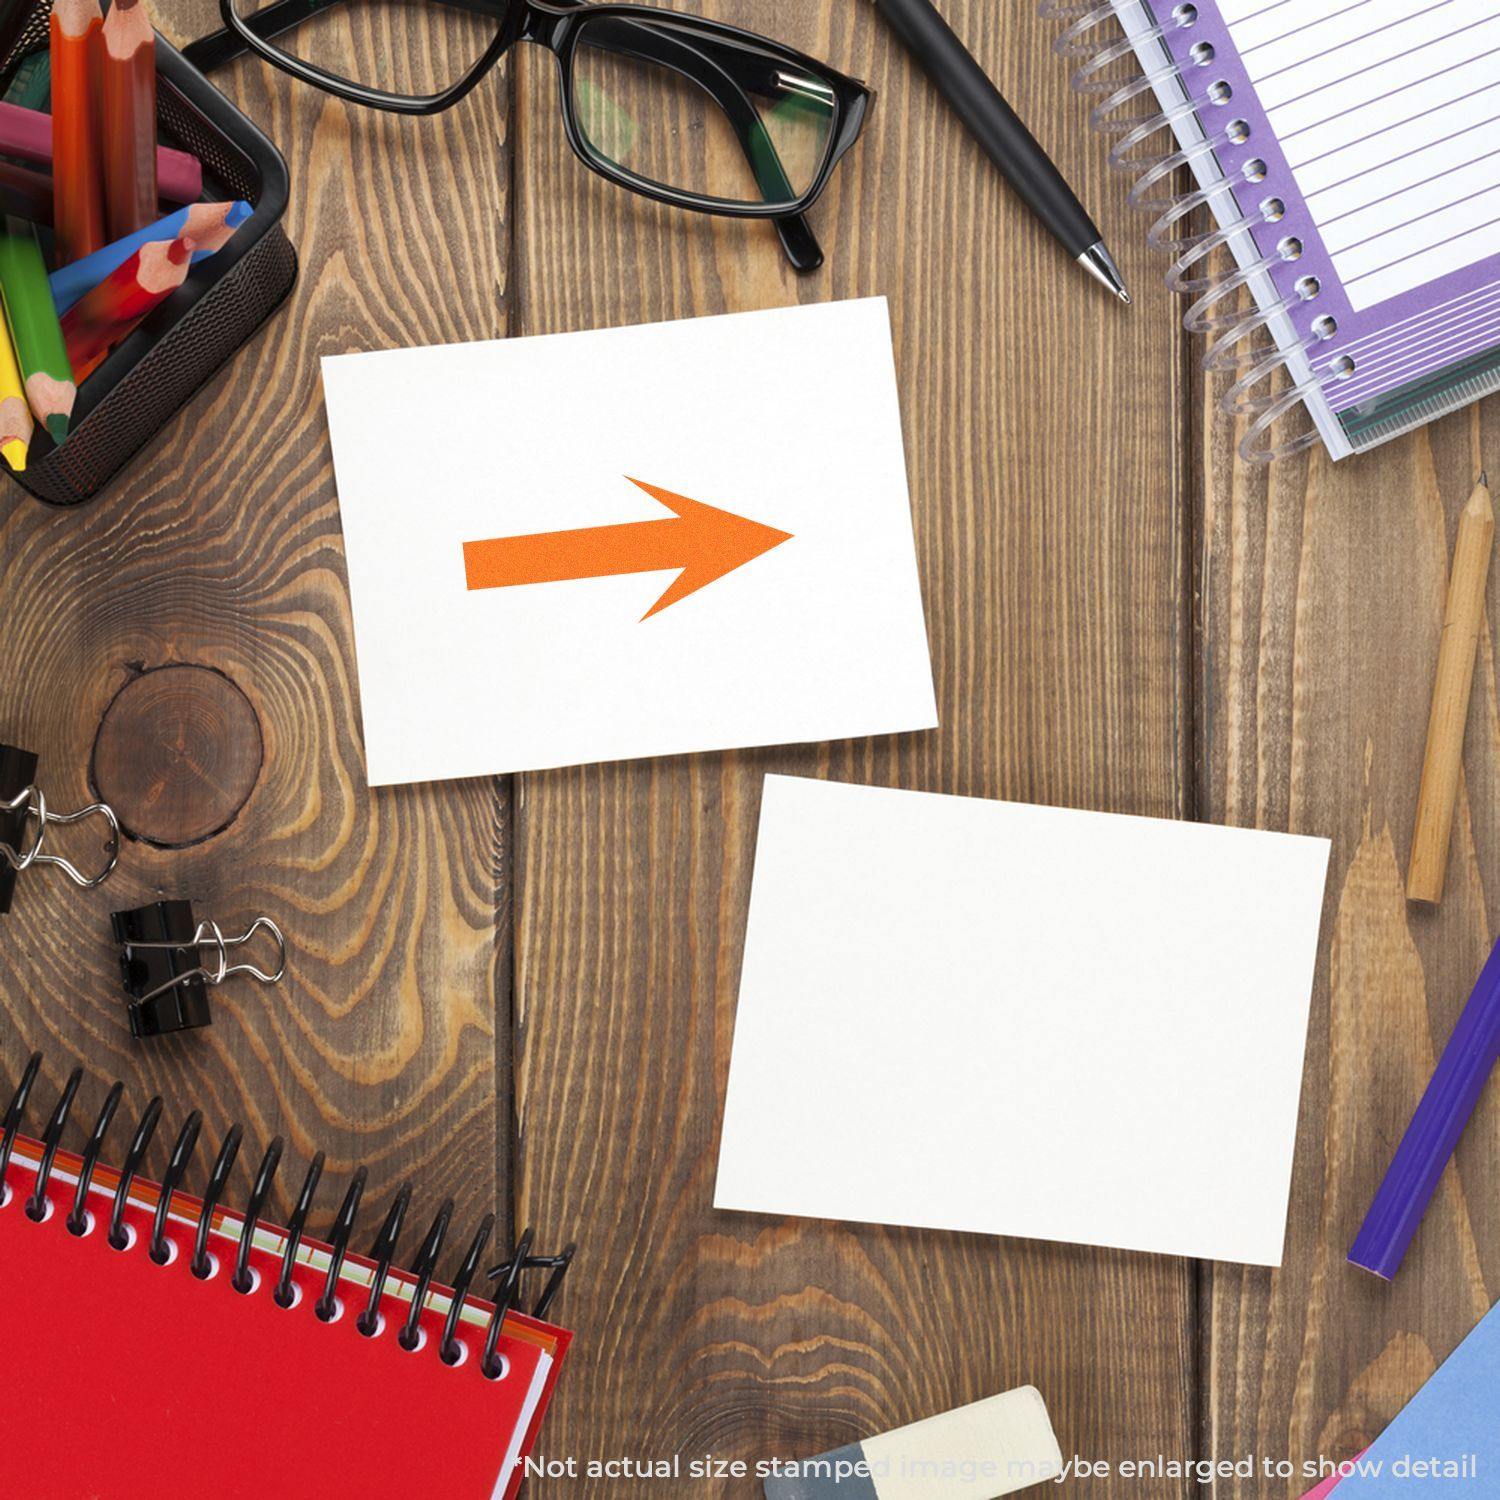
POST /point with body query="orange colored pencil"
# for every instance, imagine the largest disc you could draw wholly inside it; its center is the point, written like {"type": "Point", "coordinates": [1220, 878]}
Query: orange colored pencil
{"type": "Point", "coordinates": [129, 118]}
{"type": "Point", "coordinates": [98, 321]}
{"type": "Point", "coordinates": [76, 170]}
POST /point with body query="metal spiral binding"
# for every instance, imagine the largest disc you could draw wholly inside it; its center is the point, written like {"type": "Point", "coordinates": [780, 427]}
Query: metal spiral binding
{"type": "Point", "coordinates": [1215, 310]}
{"type": "Point", "coordinates": [328, 1308]}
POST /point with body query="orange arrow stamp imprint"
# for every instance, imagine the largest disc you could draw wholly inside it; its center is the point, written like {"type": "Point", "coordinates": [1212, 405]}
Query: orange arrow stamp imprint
{"type": "Point", "coordinates": [702, 541]}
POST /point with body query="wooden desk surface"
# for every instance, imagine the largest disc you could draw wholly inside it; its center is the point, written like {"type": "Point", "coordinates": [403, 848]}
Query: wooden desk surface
{"type": "Point", "coordinates": [520, 992]}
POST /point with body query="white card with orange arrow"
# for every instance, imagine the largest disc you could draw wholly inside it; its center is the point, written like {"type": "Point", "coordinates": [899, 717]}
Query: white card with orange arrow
{"type": "Point", "coordinates": [638, 541]}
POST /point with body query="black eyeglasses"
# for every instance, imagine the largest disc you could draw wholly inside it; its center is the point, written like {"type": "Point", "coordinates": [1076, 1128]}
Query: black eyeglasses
{"type": "Point", "coordinates": [679, 109]}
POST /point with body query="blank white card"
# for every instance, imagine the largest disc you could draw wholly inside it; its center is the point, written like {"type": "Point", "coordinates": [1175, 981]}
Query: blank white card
{"type": "Point", "coordinates": [1016, 1020]}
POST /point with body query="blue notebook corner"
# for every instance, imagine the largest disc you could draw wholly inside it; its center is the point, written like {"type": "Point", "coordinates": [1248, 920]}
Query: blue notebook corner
{"type": "Point", "coordinates": [1447, 1438]}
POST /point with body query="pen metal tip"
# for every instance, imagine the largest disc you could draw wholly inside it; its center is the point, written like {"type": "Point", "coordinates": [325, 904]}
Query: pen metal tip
{"type": "Point", "coordinates": [1100, 264]}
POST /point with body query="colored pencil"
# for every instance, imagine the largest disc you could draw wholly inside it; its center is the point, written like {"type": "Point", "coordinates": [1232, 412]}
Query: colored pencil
{"type": "Point", "coordinates": [1463, 620]}
{"type": "Point", "coordinates": [97, 322]}
{"type": "Point", "coordinates": [208, 225]}
{"type": "Point", "coordinates": [16, 425]}
{"type": "Point", "coordinates": [129, 118]}
{"type": "Point", "coordinates": [26, 134]}
{"type": "Point", "coordinates": [1435, 1130]}
{"type": "Point", "coordinates": [25, 193]}
{"type": "Point", "coordinates": [76, 169]}
{"type": "Point", "coordinates": [34, 329]}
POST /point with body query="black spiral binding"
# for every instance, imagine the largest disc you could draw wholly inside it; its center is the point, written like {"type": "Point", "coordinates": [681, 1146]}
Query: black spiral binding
{"type": "Point", "coordinates": [36, 1209]}
{"type": "Point", "coordinates": [242, 1280]}
{"type": "Point", "coordinates": [285, 1294]}
{"type": "Point", "coordinates": [118, 1238]}
{"type": "Point", "coordinates": [327, 1308]}
{"type": "Point", "coordinates": [177, 1164]}
{"type": "Point", "coordinates": [78, 1218]}
{"type": "Point", "coordinates": [383, 1253]}
{"type": "Point", "coordinates": [201, 1264]}
{"type": "Point", "coordinates": [410, 1336]}
{"type": "Point", "coordinates": [368, 1322]}
{"type": "Point", "coordinates": [450, 1351]}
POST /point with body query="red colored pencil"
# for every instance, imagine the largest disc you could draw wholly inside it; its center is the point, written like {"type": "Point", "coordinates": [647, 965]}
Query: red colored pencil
{"type": "Point", "coordinates": [98, 321]}
{"type": "Point", "coordinates": [25, 193]}
{"type": "Point", "coordinates": [79, 181]}
{"type": "Point", "coordinates": [129, 118]}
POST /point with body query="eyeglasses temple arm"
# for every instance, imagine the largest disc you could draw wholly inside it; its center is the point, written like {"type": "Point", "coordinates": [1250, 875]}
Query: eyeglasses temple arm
{"type": "Point", "coordinates": [798, 241]}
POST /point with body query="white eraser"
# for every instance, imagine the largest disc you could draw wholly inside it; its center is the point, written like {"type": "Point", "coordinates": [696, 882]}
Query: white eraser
{"type": "Point", "coordinates": [980, 1452]}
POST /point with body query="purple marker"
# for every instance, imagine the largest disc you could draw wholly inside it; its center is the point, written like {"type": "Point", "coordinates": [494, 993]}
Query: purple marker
{"type": "Point", "coordinates": [1432, 1137]}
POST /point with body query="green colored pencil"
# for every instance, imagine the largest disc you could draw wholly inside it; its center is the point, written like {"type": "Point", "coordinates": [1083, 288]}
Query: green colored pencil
{"type": "Point", "coordinates": [34, 328]}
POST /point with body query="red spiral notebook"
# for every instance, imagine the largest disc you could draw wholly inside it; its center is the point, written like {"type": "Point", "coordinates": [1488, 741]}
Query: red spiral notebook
{"type": "Point", "coordinates": [131, 1379]}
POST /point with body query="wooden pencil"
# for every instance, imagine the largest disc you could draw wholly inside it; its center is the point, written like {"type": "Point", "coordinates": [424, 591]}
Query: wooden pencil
{"type": "Point", "coordinates": [16, 425]}
{"type": "Point", "coordinates": [78, 180]}
{"type": "Point", "coordinates": [1463, 619]}
{"type": "Point", "coordinates": [28, 194]}
{"type": "Point", "coordinates": [26, 134]}
{"type": "Point", "coordinates": [129, 118]}
{"type": "Point", "coordinates": [35, 331]}
{"type": "Point", "coordinates": [210, 226]}
{"type": "Point", "coordinates": [98, 321]}
{"type": "Point", "coordinates": [25, 193]}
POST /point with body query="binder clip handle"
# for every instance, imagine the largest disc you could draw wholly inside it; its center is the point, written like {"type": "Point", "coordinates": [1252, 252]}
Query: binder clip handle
{"type": "Point", "coordinates": [167, 971]}
{"type": "Point", "coordinates": [210, 934]}
{"type": "Point", "coordinates": [30, 804]}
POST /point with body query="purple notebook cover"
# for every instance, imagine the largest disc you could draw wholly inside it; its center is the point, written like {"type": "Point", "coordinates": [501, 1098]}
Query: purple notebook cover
{"type": "Point", "coordinates": [1417, 333]}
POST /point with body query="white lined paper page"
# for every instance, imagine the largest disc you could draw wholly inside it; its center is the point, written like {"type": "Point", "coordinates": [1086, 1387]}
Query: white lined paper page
{"type": "Point", "coordinates": [1389, 114]}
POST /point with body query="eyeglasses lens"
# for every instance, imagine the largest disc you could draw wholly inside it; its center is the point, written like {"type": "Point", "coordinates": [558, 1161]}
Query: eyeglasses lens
{"type": "Point", "coordinates": [675, 107]}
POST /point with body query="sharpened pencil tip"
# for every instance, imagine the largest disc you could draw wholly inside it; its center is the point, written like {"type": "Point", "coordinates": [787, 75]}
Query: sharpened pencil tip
{"type": "Point", "coordinates": [1484, 478]}
{"type": "Point", "coordinates": [57, 428]}
{"type": "Point", "coordinates": [15, 454]}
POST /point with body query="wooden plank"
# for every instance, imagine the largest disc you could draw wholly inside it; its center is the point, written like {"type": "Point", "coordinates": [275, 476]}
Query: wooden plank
{"type": "Point", "coordinates": [1323, 589]}
{"type": "Point", "coordinates": [221, 551]}
{"type": "Point", "coordinates": [1048, 485]}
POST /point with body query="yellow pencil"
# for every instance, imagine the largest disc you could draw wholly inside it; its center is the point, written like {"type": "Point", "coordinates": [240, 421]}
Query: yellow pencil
{"type": "Point", "coordinates": [15, 414]}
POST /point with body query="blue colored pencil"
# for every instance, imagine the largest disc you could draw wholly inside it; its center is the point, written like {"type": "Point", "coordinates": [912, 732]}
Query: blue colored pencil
{"type": "Point", "coordinates": [1433, 1135]}
{"type": "Point", "coordinates": [208, 225]}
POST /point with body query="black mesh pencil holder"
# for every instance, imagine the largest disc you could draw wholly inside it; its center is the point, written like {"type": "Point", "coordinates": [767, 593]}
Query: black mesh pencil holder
{"type": "Point", "coordinates": [165, 362]}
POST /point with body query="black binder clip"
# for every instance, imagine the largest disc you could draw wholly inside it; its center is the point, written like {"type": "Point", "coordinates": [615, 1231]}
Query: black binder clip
{"type": "Point", "coordinates": [25, 820]}
{"type": "Point", "coordinates": [161, 958]}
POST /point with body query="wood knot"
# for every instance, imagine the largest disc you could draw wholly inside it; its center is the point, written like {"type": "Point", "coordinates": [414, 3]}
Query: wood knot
{"type": "Point", "coordinates": [178, 752]}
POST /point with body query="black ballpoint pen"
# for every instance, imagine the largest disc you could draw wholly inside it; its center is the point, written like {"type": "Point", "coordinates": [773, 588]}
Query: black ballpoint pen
{"type": "Point", "coordinates": [1005, 140]}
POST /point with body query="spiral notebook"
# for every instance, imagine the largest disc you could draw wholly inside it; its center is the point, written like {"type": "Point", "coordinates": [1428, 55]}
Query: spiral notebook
{"type": "Point", "coordinates": [1349, 151]}
{"type": "Point", "coordinates": [133, 1378]}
